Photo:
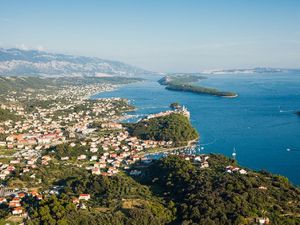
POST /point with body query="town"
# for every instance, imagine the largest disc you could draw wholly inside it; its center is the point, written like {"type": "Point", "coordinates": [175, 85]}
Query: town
{"type": "Point", "coordinates": [65, 118]}
{"type": "Point", "coordinates": [65, 131]}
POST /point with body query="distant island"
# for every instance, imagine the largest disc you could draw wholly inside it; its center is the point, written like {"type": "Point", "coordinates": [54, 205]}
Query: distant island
{"type": "Point", "coordinates": [183, 82]}
{"type": "Point", "coordinates": [257, 70]}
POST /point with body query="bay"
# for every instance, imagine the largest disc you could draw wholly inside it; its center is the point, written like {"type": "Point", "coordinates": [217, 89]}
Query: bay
{"type": "Point", "coordinates": [260, 123]}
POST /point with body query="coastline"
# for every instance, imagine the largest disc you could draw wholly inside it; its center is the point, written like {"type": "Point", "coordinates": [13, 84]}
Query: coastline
{"type": "Point", "coordinates": [163, 150]}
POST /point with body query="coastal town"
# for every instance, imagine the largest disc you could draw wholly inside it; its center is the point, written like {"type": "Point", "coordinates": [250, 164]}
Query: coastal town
{"type": "Point", "coordinates": [56, 135]}
{"type": "Point", "coordinates": [46, 122]}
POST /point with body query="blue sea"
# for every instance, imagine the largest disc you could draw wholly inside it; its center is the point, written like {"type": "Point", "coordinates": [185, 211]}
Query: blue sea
{"type": "Point", "coordinates": [260, 123]}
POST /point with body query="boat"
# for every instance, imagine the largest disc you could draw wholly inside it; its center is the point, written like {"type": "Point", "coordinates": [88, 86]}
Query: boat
{"type": "Point", "coordinates": [234, 153]}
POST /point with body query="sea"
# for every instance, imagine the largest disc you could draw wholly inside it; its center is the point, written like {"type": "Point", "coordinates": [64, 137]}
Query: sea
{"type": "Point", "coordinates": [260, 124]}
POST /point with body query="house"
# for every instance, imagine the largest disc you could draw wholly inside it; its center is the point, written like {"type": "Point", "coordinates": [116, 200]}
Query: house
{"type": "Point", "coordinates": [21, 195]}
{"type": "Point", "coordinates": [204, 165]}
{"type": "Point", "coordinates": [72, 144]}
{"type": "Point", "coordinates": [94, 149]}
{"type": "Point", "coordinates": [262, 188]}
{"type": "Point", "coordinates": [96, 171]}
{"type": "Point", "coordinates": [39, 197]}
{"type": "Point", "coordinates": [94, 158]}
{"type": "Point", "coordinates": [197, 159]}
{"type": "Point", "coordinates": [25, 170]}
{"type": "Point", "coordinates": [17, 211]}
{"type": "Point", "coordinates": [81, 157]}
{"type": "Point", "coordinates": [14, 161]}
{"type": "Point", "coordinates": [3, 200]}
{"type": "Point", "coordinates": [85, 197]}
{"type": "Point", "coordinates": [75, 201]}
{"type": "Point", "coordinates": [14, 204]}
{"type": "Point", "coordinates": [228, 171]}
{"type": "Point", "coordinates": [82, 206]}
{"type": "Point", "coordinates": [15, 200]}
{"type": "Point", "coordinates": [242, 171]}
{"type": "Point", "coordinates": [262, 220]}
{"type": "Point", "coordinates": [111, 125]}
{"type": "Point", "coordinates": [46, 158]}
{"type": "Point", "coordinates": [64, 158]}
{"type": "Point", "coordinates": [33, 193]}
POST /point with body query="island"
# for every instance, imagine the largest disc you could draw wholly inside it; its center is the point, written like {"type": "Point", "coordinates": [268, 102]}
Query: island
{"type": "Point", "coordinates": [183, 82]}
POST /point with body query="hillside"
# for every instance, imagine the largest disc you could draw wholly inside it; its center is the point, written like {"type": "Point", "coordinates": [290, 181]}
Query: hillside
{"type": "Point", "coordinates": [19, 84]}
{"type": "Point", "coordinates": [172, 191]}
{"type": "Point", "coordinates": [17, 62]}
{"type": "Point", "coordinates": [23, 83]}
{"type": "Point", "coordinates": [213, 196]}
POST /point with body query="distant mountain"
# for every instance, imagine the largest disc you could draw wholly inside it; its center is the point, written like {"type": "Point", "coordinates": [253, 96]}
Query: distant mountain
{"type": "Point", "coordinates": [250, 71]}
{"type": "Point", "coordinates": [16, 62]}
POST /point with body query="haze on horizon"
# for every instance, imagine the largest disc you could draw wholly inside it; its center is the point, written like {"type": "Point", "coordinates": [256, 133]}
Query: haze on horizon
{"type": "Point", "coordinates": [170, 35]}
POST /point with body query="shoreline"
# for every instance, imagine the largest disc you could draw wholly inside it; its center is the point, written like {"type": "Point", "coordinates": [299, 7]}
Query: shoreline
{"type": "Point", "coordinates": [162, 150]}
{"type": "Point", "coordinates": [126, 116]}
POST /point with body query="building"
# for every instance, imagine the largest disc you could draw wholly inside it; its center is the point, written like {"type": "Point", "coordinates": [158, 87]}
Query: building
{"type": "Point", "coordinates": [85, 197]}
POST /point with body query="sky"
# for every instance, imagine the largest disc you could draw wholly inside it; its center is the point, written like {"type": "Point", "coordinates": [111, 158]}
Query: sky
{"type": "Point", "coordinates": [160, 35]}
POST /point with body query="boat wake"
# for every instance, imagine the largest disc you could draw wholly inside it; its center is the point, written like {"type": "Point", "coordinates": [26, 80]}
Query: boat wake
{"type": "Point", "coordinates": [286, 111]}
{"type": "Point", "coordinates": [292, 150]}
{"type": "Point", "coordinates": [209, 143]}
{"type": "Point", "coordinates": [155, 107]}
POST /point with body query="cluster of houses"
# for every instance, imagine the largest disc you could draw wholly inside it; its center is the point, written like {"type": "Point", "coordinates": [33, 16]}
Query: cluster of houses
{"type": "Point", "coordinates": [200, 159]}
{"type": "Point", "coordinates": [36, 140]}
{"type": "Point", "coordinates": [114, 151]}
{"type": "Point", "coordinates": [234, 169]}
{"type": "Point", "coordinates": [79, 202]}
{"type": "Point", "coordinates": [15, 202]}
{"type": "Point", "coordinates": [181, 110]}
{"type": "Point", "coordinates": [41, 128]}
{"type": "Point", "coordinates": [26, 162]}
{"type": "Point", "coordinates": [6, 170]}
{"type": "Point", "coordinates": [67, 117]}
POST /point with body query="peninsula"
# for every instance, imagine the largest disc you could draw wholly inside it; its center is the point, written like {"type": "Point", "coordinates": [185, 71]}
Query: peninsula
{"type": "Point", "coordinates": [183, 82]}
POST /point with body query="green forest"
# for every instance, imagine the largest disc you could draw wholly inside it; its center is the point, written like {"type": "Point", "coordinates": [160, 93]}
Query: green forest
{"type": "Point", "coordinates": [212, 196]}
{"type": "Point", "coordinates": [172, 191]}
{"type": "Point", "coordinates": [7, 115]}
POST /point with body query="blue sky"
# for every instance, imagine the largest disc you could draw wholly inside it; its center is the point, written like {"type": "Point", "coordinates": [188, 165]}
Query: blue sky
{"type": "Point", "coordinates": [160, 35]}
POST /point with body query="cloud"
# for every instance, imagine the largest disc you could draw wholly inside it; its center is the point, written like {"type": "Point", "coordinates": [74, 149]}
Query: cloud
{"type": "Point", "coordinates": [26, 47]}
{"type": "Point", "coordinates": [22, 46]}
{"type": "Point", "coordinates": [40, 48]}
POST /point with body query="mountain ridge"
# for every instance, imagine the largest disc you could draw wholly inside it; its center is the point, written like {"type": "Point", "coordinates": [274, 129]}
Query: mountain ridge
{"type": "Point", "coordinates": [18, 62]}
